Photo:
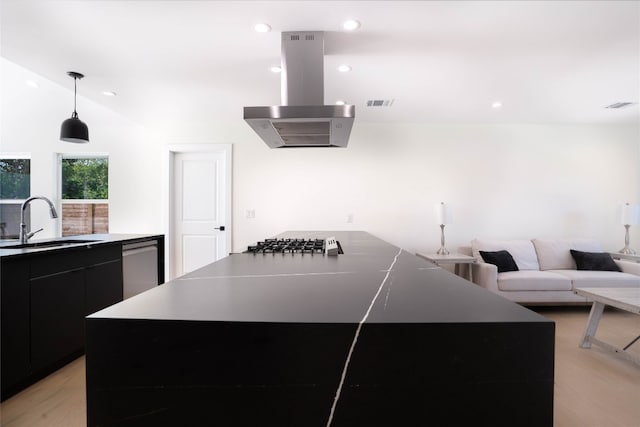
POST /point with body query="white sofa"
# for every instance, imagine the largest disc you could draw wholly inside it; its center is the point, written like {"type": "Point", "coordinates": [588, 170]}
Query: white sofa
{"type": "Point", "coordinates": [547, 272]}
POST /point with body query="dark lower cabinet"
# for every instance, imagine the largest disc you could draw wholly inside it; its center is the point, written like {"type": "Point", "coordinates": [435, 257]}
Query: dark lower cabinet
{"type": "Point", "coordinates": [103, 286]}
{"type": "Point", "coordinates": [57, 317]}
{"type": "Point", "coordinates": [14, 323]}
{"type": "Point", "coordinates": [45, 298]}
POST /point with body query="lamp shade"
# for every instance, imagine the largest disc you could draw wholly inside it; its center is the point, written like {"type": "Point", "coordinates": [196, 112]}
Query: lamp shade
{"type": "Point", "coordinates": [629, 214]}
{"type": "Point", "coordinates": [444, 213]}
{"type": "Point", "coordinates": [74, 130]}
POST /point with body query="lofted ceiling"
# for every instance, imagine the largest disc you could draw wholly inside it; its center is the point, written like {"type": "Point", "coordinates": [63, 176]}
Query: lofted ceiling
{"type": "Point", "coordinates": [439, 61]}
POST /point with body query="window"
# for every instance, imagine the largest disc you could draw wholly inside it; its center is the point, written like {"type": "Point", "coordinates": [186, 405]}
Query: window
{"type": "Point", "coordinates": [15, 188]}
{"type": "Point", "coordinates": [84, 192]}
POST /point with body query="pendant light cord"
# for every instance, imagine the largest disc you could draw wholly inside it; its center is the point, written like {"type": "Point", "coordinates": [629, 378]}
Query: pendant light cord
{"type": "Point", "coordinates": [75, 76]}
{"type": "Point", "coordinates": [75, 95]}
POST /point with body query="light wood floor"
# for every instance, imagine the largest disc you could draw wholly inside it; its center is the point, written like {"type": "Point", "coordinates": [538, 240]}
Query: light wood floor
{"type": "Point", "coordinates": [592, 388]}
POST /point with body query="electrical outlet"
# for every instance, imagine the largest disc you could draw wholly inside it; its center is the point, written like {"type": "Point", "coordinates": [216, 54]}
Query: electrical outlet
{"type": "Point", "coordinates": [350, 218]}
{"type": "Point", "coordinates": [331, 246]}
{"type": "Point", "coordinates": [251, 213]}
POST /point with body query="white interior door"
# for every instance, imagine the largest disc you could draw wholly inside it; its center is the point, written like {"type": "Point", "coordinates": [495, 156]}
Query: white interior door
{"type": "Point", "coordinates": [199, 210]}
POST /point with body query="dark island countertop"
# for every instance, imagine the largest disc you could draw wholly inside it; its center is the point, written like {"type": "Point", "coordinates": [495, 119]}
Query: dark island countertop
{"type": "Point", "coordinates": [372, 337]}
{"type": "Point", "coordinates": [323, 289]}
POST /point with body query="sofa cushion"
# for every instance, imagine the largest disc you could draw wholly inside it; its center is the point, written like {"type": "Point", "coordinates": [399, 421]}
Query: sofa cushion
{"type": "Point", "coordinates": [533, 280]}
{"type": "Point", "coordinates": [501, 259]}
{"type": "Point", "coordinates": [553, 254]}
{"type": "Point", "coordinates": [600, 261]}
{"type": "Point", "coordinates": [522, 251]}
{"type": "Point", "coordinates": [598, 279]}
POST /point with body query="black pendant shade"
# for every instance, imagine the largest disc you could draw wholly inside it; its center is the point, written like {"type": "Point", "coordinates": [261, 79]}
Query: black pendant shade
{"type": "Point", "coordinates": [74, 129]}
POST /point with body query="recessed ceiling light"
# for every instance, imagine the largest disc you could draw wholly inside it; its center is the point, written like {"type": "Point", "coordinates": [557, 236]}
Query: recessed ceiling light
{"type": "Point", "coordinates": [108, 93]}
{"type": "Point", "coordinates": [496, 104]}
{"type": "Point", "coordinates": [351, 25]}
{"type": "Point", "coordinates": [276, 69]}
{"type": "Point", "coordinates": [32, 83]}
{"type": "Point", "coordinates": [344, 68]}
{"type": "Point", "coordinates": [340, 102]}
{"type": "Point", "coordinates": [262, 28]}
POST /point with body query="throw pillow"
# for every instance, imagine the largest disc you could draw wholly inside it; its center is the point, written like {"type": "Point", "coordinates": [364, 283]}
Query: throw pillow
{"type": "Point", "coordinates": [600, 261]}
{"type": "Point", "coordinates": [501, 259]}
{"type": "Point", "coordinates": [522, 251]}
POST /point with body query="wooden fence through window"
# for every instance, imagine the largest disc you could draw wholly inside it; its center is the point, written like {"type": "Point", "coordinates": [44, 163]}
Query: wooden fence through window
{"type": "Point", "coordinates": [85, 218]}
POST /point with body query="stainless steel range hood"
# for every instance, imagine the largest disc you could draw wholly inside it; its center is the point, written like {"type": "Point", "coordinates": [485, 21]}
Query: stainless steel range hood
{"type": "Point", "coordinates": [302, 120]}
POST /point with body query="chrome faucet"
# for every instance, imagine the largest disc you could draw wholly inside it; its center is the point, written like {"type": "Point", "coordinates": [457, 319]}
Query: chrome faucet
{"type": "Point", "coordinates": [24, 236]}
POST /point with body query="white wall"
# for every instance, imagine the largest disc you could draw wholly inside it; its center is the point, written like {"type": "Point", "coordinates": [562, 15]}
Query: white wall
{"type": "Point", "coordinates": [504, 181]}
{"type": "Point", "coordinates": [30, 122]}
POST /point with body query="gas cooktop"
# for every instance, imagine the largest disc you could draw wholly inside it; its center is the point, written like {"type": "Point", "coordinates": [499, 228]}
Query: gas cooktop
{"type": "Point", "coordinates": [292, 246]}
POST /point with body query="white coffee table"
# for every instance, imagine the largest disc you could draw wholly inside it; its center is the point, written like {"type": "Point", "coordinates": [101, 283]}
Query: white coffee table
{"type": "Point", "coordinates": [627, 299]}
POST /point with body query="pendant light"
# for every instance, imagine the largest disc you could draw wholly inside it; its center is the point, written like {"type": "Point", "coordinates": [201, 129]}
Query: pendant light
{"type": "Point", "coordinates": [73, 129]}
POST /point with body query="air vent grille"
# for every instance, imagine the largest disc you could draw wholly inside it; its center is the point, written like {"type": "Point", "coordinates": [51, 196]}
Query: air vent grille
{"type": "Point", "coordinates": [620, 105]}
{"type": "Point", "coordinates": [380, 103]}
{"type": "Point", "coordinates": [307, 37]}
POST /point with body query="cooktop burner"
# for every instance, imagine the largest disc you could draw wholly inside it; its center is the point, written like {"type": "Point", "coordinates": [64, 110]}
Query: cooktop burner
{"type": "Point", "coordinates": [292, 246]}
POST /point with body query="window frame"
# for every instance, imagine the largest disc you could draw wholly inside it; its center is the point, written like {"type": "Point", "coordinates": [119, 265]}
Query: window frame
{"type": "Point", "coordinates": [60, 158]}
{"type": "Point", "coordinates": [19, 156]}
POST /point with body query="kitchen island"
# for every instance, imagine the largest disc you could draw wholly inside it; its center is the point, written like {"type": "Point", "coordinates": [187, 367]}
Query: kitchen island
{"type": "Point", "coordinates": [372, 337]}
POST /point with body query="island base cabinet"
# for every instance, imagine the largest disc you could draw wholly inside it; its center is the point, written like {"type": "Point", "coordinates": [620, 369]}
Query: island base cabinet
{"type": "Point", "coordinates": [57, 317]}
{"type": "Point", "coordinates": [166, 373]}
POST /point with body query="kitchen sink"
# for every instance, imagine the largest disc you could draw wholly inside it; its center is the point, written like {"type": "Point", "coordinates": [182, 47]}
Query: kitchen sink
{"type": "Point", "coordinates": [47, 244]}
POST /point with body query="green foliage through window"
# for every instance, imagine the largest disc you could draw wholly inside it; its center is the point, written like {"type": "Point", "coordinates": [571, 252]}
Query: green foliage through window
{"type": "Point", "coordinates": [15, 182]}
{"type": "Point", "coordinates": [85, 178]}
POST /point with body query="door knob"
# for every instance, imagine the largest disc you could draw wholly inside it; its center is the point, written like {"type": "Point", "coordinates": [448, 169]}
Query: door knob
{"type": "Point", "coordinates": [221, 228]}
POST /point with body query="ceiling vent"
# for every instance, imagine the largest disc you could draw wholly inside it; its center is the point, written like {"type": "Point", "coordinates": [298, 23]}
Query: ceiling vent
{"type": "Point", "coordinates": [380, 103]}
{"type": "Point", "coordinates": [620, 105]}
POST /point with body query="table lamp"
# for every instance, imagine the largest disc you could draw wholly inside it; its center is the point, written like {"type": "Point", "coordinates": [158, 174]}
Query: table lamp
{"type": "Point", "coordinates": [444, 215]}
{"type": "Point", "coordinates": [628, 218]}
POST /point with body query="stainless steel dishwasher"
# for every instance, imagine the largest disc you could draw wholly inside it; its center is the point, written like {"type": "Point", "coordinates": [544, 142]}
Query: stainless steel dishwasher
{"type": "Point", "coordinates": [139, 267]}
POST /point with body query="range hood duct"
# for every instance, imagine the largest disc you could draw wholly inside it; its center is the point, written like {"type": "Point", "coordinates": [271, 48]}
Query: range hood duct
{"type": "Point", "coordinates": [302, 120]}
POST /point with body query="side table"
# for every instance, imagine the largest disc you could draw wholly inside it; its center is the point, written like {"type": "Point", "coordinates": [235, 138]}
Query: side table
{"type": "Point", "coordinates": [455, 259]}
{"type": "Point", "coordinates": [628, 257]}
